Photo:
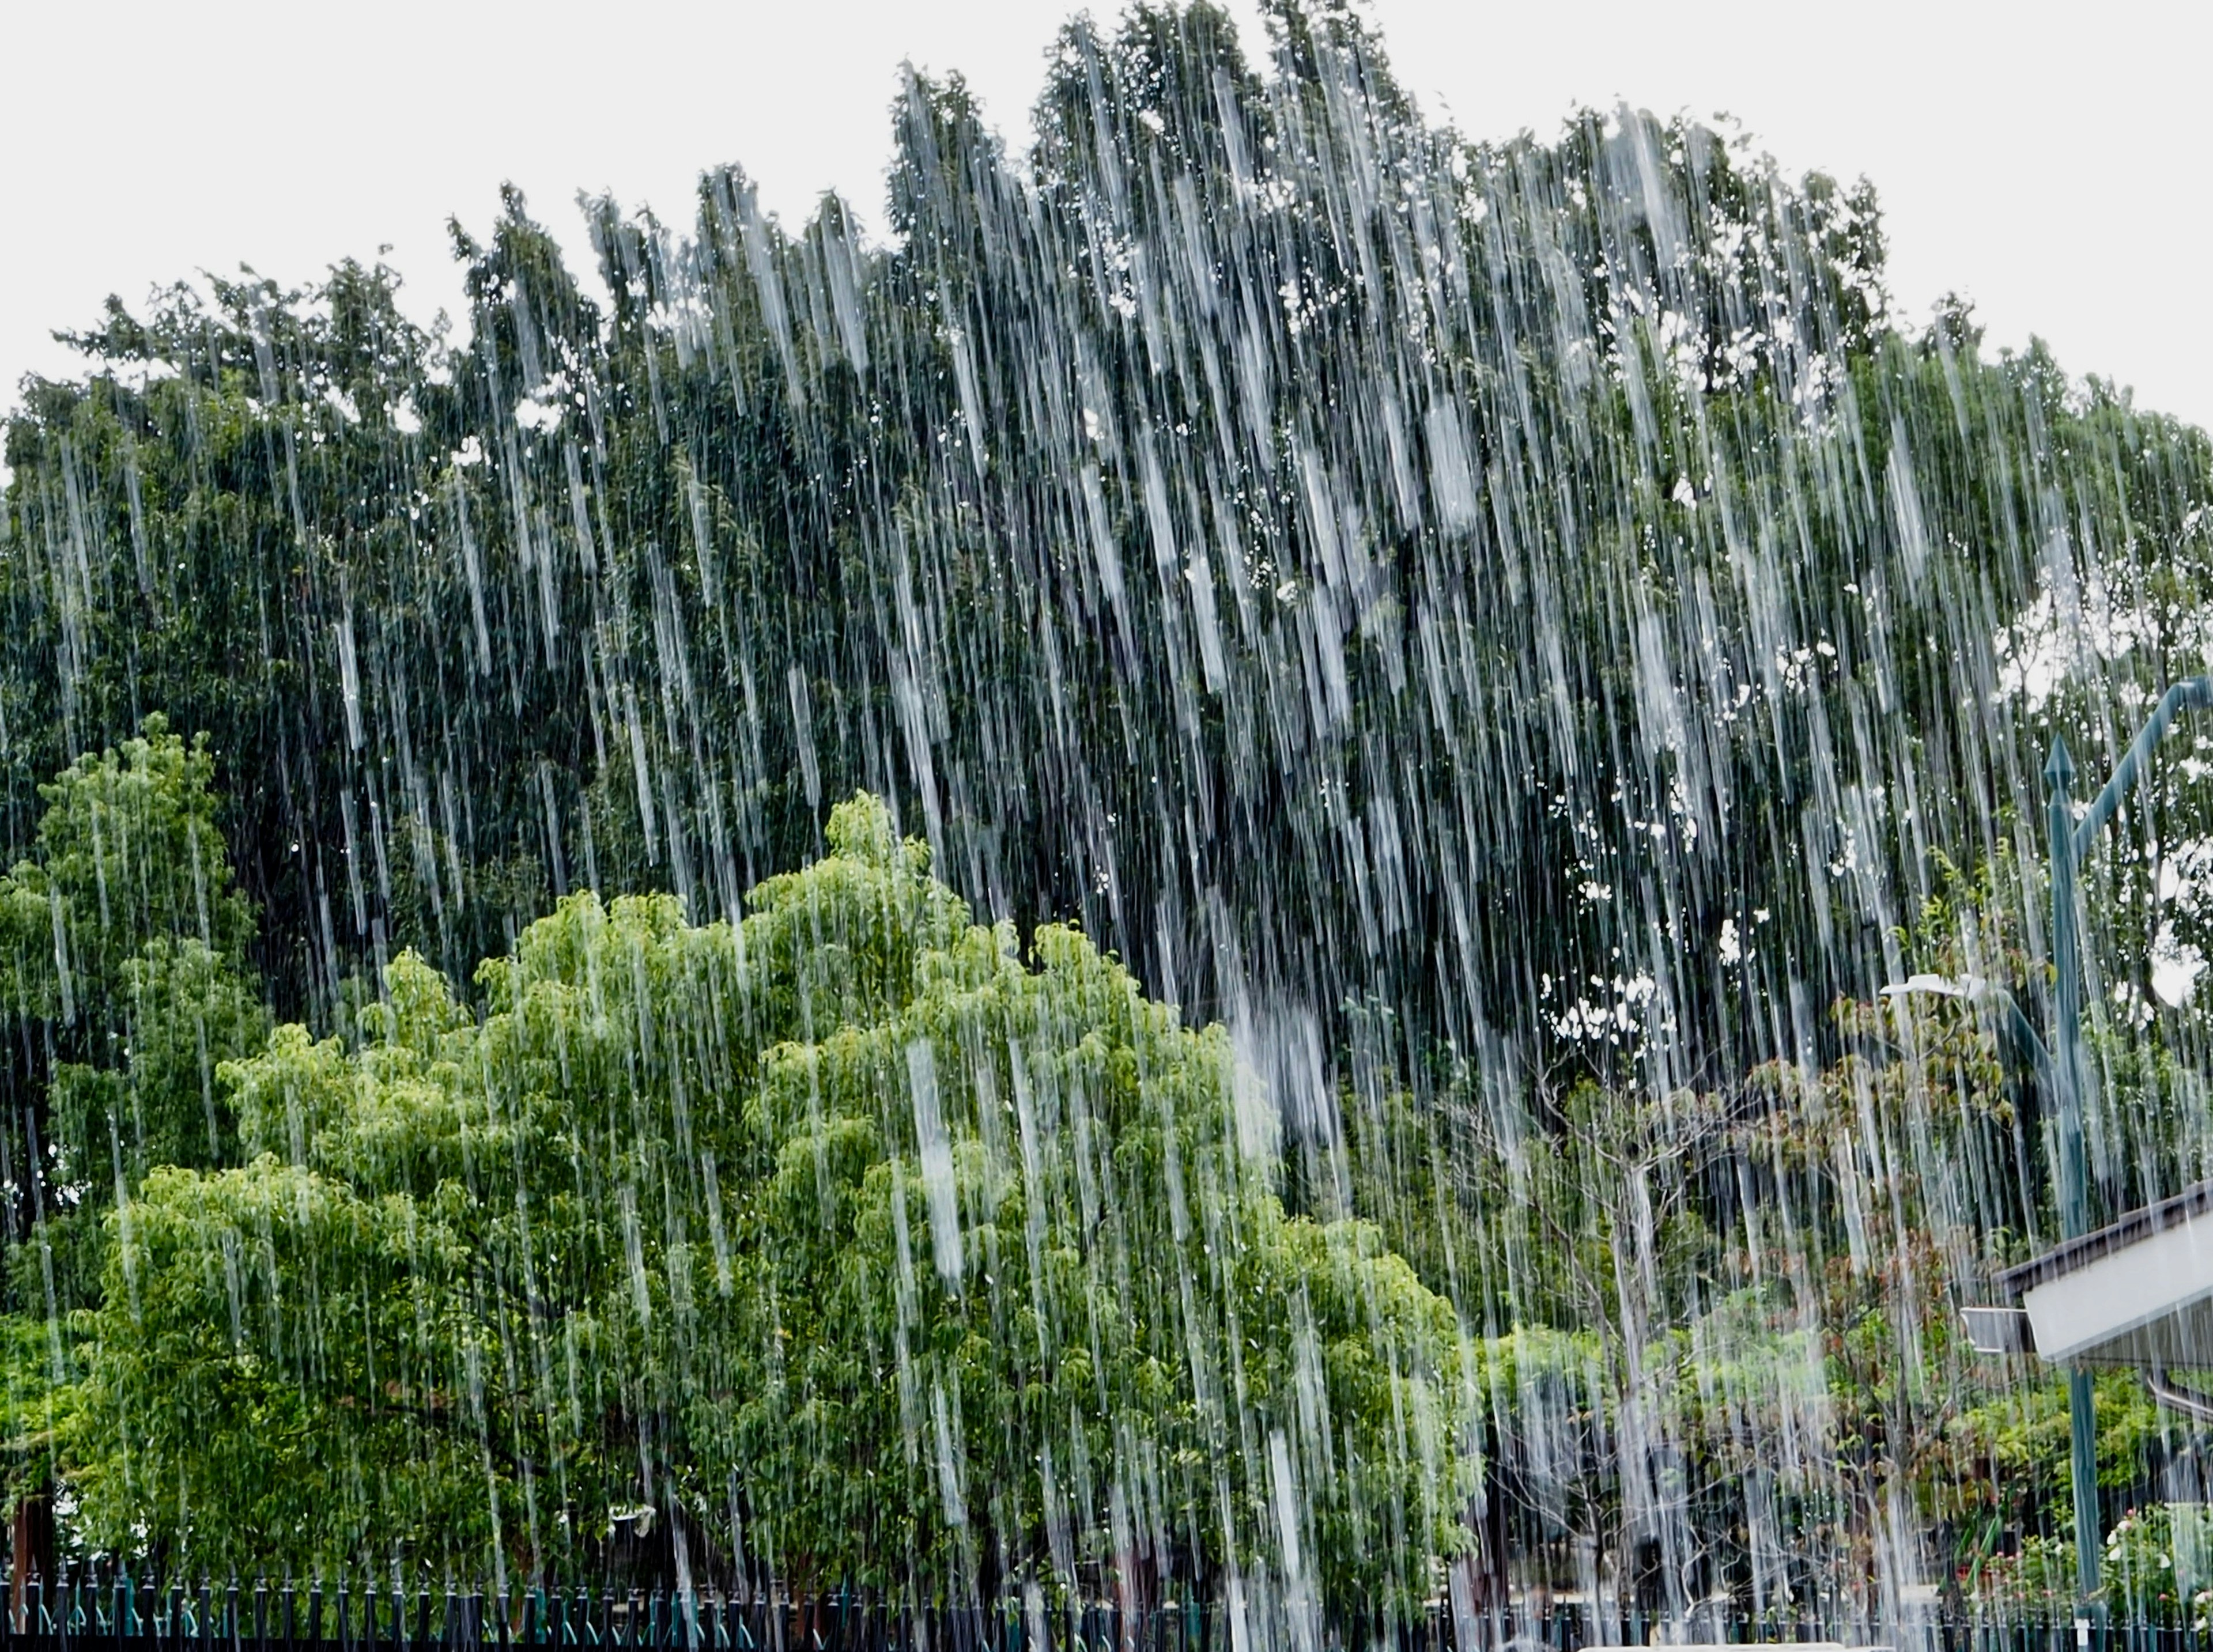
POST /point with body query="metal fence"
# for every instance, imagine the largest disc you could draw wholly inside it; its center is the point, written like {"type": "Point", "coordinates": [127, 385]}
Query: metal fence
{"type": "Point", "coordinates": [92, 1610]}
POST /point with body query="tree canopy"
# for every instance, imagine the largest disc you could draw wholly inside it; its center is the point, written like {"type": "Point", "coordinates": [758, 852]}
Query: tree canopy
{"type": "Point", "coordinates": [841, 1237]}
{"type": "Point", "coordinates": [1521, 633]}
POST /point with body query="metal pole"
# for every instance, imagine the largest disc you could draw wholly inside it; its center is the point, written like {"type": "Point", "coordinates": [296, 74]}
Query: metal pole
{"type": "Point", "coordinates": [2070, 839]}
{"type": "Point", "coordinates": [2074, 1179]}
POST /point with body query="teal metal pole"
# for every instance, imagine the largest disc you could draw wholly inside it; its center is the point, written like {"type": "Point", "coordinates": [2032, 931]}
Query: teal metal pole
{"type": "Point", "coordinates": [2074, 1178]}
{"type": "Point", "coordinates": [2070, 839]}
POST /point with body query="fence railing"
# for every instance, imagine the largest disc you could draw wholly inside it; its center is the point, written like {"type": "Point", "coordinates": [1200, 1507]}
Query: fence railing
{"type": "Point", "coordinates": [96, 1610]}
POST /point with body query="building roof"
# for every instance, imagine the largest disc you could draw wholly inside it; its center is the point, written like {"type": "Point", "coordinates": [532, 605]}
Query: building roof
{"type": "Point", "coordinates": [2137, 1226]}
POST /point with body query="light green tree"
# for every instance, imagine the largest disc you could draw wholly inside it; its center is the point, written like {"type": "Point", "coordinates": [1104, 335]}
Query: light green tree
{"type": "Point", "coordinates": [844, 1238]}
{"type": "Point", "coordinates": [125, 979]}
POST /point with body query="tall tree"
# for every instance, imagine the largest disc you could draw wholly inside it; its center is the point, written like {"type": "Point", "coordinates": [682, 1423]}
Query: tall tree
{"type": "Point", "coordinates": [840, 1238]}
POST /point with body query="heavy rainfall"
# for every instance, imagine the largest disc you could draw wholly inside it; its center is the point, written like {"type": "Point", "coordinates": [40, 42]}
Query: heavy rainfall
{"type": "Point", "coordinates": [1165, 902]}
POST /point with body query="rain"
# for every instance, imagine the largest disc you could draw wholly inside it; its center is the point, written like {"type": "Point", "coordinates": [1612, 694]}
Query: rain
{"type": "Point", "coordinates": [1287, 882]}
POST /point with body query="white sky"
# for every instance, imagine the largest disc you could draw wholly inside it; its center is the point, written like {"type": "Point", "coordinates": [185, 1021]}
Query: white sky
{"type": "Point", "coordinates": [2050, 162]}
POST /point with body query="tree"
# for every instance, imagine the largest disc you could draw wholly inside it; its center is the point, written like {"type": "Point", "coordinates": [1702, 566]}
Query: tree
{"type": "Point", "coordinates": [125, 965]}
{"type": "Point", "coordinates": [1537, 593]}
{"type": "Point", "coordinates": [1453, 531]}
{"type": "Point", "coordinates": [840, 1236]}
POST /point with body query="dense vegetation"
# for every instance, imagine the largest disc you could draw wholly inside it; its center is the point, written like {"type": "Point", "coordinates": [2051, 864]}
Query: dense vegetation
{"type": "Point", "coordinates": [837, 1237]}
{"type": "Point", "coordinates": [1514, 631]}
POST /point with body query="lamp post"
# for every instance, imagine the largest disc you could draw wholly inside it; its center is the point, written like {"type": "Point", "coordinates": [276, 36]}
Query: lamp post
{"type": "Point", "coordinates": [2070, 839]}
{"type": "Point", "coordinates": [2060, 1069]}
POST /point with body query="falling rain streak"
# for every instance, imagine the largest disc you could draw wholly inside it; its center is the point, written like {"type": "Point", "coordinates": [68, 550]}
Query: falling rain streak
{"type": "Point", "coordinates": [1185, 879]}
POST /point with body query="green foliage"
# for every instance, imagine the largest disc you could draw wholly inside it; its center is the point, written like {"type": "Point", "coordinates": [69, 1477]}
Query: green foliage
{"type": "Point", "coordinates": [1747, 1296]}
{"type": "Point", "coordinates": [128, 854]}
{"type": "Point", "coordinates": [587, 598]}
{"type": "Point", "coordinates": [196, 1424]}
{"type": "Point", "coordinates": [946, 1268]}
{"type": "Point", "coordinates": [1539, 586]}
{"type": "Point", "coordinates": [37, 1401]}
{"type": "Point", "coordinates": [2153, 1569]}
{"type": "Point", "coordinates": [125, 963]}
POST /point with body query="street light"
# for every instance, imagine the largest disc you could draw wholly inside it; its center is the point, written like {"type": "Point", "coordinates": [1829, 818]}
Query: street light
{"type": "Point", "coordinates": [1975, 989]}
{"type": "Point", "coordinates": [2059, 1067]}
{"type": "Point", "coordinates": [2070, 839]}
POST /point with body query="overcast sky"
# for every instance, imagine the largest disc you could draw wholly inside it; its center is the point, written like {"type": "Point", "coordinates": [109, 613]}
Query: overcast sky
{"type": "Point", "coordinates": [2050, 163]}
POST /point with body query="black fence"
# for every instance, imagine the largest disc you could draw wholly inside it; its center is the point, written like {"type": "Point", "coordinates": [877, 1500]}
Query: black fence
{"type": "Point", "coordinates": [91, 1611]}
